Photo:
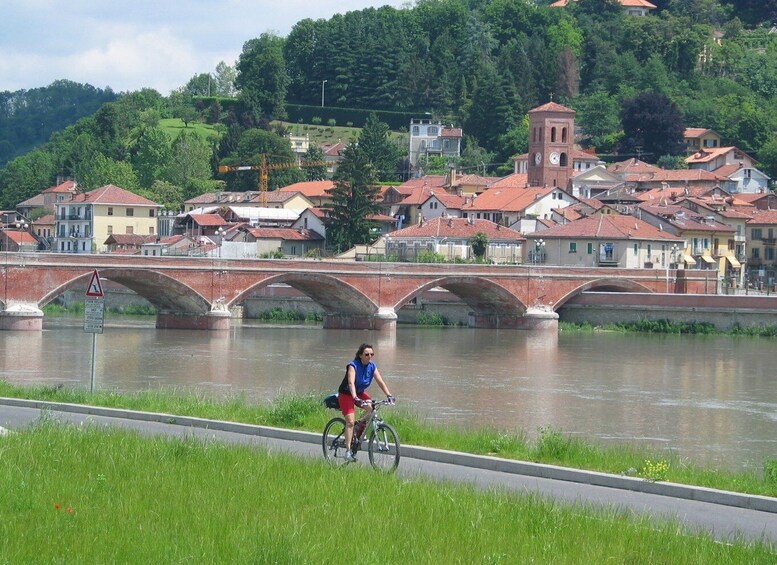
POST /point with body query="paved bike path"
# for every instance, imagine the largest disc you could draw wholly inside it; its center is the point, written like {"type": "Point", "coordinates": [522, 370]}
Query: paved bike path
{"type": "Point", "coordinates": [724, 514]}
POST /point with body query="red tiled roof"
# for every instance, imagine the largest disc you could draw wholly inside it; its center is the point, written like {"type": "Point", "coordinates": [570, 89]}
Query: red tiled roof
{"type": "Point", "coordinates": [20, 237]}
{"type": "Point", "coordinates": [691, 133]}
{"type": "Point", "coordinates": [47, 220]}
{"type": "Point", "coordinates": [314, 188]}
{"type": "Point", "coordinates": [433, 181]}
{"type": "Point", "coordinates": [208, 219]}
{"type": "Point", "coordinates": [609, 226]}
{"type": "Point", "coordinates": [451, 132]}
{"type": "Point", "coordinates": [473, 180]}
{"type": "Point", "coordinates": [708, 154]}
{"type": "Point", "coordinates": [516, 180]}
{"type": "Point", "coordinates": [459, 228]}
{"type": "Point", "coordinates": [450, 201]}
{"type": "Point", "coordinates": [67, 186]}
{"type": "Point", "coordinates": [508, 199]}
{"type": "Point", "coordinates": [552, 107]}
{"type": "Point", "coordinates": [626, 3]}
{"type": "Point", "coordinates": [763, 217]}
{"type": "Point", "coordinates": [111, 194]}
{"type": "Point", "coordinates": [286, 234]}
{"type": "Point", "coordinates": [632, 165]}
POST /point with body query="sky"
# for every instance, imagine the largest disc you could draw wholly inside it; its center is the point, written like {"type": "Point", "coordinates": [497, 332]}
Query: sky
{"type": "Point", "coordinates": [129, 45]}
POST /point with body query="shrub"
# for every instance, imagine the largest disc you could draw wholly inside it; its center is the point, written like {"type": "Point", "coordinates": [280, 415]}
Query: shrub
{"type": "Point", "coordinates": [331, 122]}
{"type": "Point", "coordinates": [315, 120]}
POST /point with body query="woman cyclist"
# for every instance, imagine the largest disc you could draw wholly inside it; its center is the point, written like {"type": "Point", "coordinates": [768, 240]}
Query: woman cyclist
{"type": "Point", "coordinates": [359, 374]}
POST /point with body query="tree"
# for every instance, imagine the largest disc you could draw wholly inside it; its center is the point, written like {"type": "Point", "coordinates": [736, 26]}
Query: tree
{"type": "Point", "coordinates": [251, 146]}
{"type": "Point", "coordinates": [354, 199]}
{"type": "Point", "coordinates": [189, 160]}
{"type": "Point", "coordinates": [152, 156]}
{"type": "Point", "coordinates": [103, 170]}
{"type": "Point", "coordinates": [169, 195]}
{"type": "Point", "coordinates": [24, 177]}
{"type": "Point", "coordinates": [225, 80]}
{"type": "Point", "coordinates": [652, 124]}
{"type": "Point", "coordinates": [479, 243]}
{"type": "Point", "coordinates": [199, 85]}
{"type": "Point", "coordinates": [379, 149]}
{"type": "Point", "coordinates": [262, 77]}
{"type": "Point", "coordinates": [315, 153]}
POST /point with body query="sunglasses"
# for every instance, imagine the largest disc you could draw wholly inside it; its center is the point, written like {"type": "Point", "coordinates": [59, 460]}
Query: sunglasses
{"type": "Point", "coordinates": [368, 354]}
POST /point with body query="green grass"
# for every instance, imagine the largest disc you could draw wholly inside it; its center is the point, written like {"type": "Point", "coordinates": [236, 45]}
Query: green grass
{"type": "Point", "coordinates": [174, 126]}
{"type": "Point", "coordinates": [306, 412]}
{"type": "Point", "coordinates": [327, 135]}
{"type": "Point", "coordinates": [669, 327]}
{"type": "Point", "coordinates": [86, 494]}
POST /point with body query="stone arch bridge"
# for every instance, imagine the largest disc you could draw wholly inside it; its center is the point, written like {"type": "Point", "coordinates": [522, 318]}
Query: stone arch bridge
{"type": "Point", "coordinates": [197, 293]}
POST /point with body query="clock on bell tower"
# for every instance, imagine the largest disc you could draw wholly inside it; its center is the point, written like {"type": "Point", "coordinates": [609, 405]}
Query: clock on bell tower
{"type": "Point", "coordinates": [551, 142]}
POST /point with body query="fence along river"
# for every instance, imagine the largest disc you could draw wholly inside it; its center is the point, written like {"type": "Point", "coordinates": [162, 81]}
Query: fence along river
{"type": "Point", "coordinates": [709, 399]}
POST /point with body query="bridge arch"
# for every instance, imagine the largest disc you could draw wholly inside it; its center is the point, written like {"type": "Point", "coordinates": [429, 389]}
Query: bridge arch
{"type": "Point", "coordinates": [345, 306]}
{"type": "Point", "coordinates": [164, 292]}
{"type": "Point", "coordinates": [603, 285]}
{"type": "Point", "coordinates": [493, 306]}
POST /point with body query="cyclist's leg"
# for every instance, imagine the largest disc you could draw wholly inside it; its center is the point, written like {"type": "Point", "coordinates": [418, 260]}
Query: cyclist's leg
{"type": "Point", "coordinates": [347, 408]}
{"type": "Point", "coordinates": [367, 411]}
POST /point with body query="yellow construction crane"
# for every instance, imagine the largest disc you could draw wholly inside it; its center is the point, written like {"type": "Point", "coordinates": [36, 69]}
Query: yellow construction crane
{"type": "Point", "coordinates": [263, 167]}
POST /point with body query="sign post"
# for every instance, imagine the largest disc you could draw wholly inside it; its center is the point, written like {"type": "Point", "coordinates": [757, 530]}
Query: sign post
{"type": "Point", "coordinates": [94, 316]}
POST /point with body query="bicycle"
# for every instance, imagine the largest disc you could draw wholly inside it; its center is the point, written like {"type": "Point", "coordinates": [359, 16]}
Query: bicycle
{"type": "Point", "coordinates": [383, 445]}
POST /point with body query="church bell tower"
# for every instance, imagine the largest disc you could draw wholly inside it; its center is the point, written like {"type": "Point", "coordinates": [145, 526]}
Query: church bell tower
{"type": "Point", "coordinates": [551, 142]}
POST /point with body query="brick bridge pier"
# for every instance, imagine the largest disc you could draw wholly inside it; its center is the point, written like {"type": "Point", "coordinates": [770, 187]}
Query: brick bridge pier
{"type": "Point", "coordinates": [197, 293]}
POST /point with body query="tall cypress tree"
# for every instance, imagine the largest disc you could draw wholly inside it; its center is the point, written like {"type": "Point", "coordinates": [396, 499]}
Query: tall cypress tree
{"type": "Point", "coordinates": [354, 199]}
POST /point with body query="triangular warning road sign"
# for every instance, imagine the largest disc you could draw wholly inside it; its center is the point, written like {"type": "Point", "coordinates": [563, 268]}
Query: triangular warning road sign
{"type": "Point", "coordinates": [95, 288]}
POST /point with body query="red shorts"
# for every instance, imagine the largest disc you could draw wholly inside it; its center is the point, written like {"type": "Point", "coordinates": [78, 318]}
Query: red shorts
{"type": "Point", "coordinates": [346, 402]}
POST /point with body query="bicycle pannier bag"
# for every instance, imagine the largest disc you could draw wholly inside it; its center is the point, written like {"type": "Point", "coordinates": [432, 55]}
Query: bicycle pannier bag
{"type": "Point", "coordinates": [332, 401]}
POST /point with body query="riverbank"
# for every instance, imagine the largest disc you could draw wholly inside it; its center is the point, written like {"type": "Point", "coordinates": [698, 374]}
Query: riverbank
{"type": "Point", "coordinates": [305, 412]}
{"type": "Point", "coordinates": [80, 494]}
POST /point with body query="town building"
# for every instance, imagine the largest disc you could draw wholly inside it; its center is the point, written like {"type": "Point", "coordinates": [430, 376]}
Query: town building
{"type": "Point", "coordinates": [605, 240]}
{"type": "Point", "coordinates": [428, 139]}
{"type": "Point", "coordinates": [551, 144]}
{"type": "Point", "coordinates": [451, 238]}
{"type": "Point", "coordinates": [86, 220]}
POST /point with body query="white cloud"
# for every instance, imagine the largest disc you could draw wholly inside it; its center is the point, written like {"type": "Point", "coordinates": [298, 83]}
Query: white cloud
{"type": "Point", "coordinates": [129, 45]}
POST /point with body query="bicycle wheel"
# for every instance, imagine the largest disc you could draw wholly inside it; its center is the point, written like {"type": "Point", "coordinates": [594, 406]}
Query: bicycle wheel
{"type": "Point", "coordinates": [333, 440]}
{"type": "Point", "coordinates": [384, 448]}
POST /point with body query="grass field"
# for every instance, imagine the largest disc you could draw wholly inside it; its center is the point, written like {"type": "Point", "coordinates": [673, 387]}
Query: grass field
{"type": "Point", "coordinates": [174, 126]}
{"type": "Point", "coordinates": [83, 494]}
{"type": "Point", "coordinates": [306, 412]}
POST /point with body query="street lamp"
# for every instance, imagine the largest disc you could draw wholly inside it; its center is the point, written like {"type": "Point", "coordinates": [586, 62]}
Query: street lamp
{"type": "Point", "coordinates": [22, 226]}
{"type": "Point", "coordinates": [672, 259]}
{"type": "Point", "coordinates": [539, 245]}
{"type": "Point", "coordinates": [220, 232]}
{"type": "Point", "coordinates": [323, 82]}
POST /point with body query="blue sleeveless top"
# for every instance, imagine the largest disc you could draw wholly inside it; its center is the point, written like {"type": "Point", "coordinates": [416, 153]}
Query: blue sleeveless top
{"type": "Point", "coordinates": [364, 375]}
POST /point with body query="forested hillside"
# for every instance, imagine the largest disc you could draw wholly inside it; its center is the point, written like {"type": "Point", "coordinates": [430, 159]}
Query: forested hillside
{"type": "Point", "coordinates": [29, 117]}
{"type": "Point", "coordinates": [635, 83]}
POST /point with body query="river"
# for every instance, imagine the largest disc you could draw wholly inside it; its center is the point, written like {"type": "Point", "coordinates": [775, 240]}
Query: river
{"type": "Point", "coordinates": [710, 399]}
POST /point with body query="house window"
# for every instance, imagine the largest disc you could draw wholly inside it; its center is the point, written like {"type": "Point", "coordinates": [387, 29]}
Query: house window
{"type": "Point", "coordinates": [756, 253]}
{"type": "Point", "coordinates": [636, 249]}
{"type": "Point", "coordinates": [748, 173]}
{"type": "Point", "coordinates": [110, 230]}
{"type": "Point", "coordinates": [110, 210]}
{"type": "Point", "coordinates": [563, 135]}
{"type": "Point", "coordinates": [756, 233]}
{"type": "Point", "coordinates": [769, 253]}
{"type": "Point", "coordinates": [151, 230]}
{"type": "Point", "coordinates": [446, 144]}
{"type": "Point", "coordinates": [590, 248]}
{"type": "Point", "coordinates": [130, 229]}
{"type": "Point", "coordinates": [573, 247]}
{"type": "Point", "coordinates": [416, 131]}
{"type": "Point", "coordinates": [130, 211]}
{"type": "Point", "coordinates": [553, 135]}
{"type": "Point", "coordinates": [150, 212]}
{"type": "Point", "coordinates": [432, 130]}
